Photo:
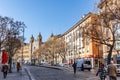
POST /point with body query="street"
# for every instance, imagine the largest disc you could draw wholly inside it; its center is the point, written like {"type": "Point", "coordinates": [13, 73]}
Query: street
{"type": "Point", "coordinates": [42, 73]}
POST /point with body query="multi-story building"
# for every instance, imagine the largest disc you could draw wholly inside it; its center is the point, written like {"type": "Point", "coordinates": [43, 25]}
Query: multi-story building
{"type": "Point", "coordinates": [22, 54]}
{"type": "Point", "coordinates": [77, 43]}
{"type": "Point", "coordinates": [33, 46]}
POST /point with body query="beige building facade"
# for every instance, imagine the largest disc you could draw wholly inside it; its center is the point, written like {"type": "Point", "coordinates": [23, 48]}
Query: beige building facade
{"type": "Point", "coordinates": [22, 54]}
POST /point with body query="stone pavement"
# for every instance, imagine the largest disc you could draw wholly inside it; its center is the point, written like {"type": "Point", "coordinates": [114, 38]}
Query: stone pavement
{"type": "Point", "coordinates": [22, 75]}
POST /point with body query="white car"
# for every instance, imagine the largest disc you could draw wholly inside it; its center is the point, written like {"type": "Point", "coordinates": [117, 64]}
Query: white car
{"type": "Point", "coordinates": [86, 63]}
{"type": "Point", "coordinates": [117, 66]}
{"type": "Point", "coordinates": [64, 65]}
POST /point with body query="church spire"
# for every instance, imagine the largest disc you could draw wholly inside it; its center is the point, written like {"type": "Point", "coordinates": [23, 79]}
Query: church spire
{"type": "Point", "coordinates": [40, 37]}
{"type": "Point", "coordinates": [31, 39]}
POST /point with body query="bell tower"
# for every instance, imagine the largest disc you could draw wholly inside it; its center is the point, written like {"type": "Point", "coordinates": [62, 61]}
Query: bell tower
{"type": "Point", "coordinates": [39, 39]}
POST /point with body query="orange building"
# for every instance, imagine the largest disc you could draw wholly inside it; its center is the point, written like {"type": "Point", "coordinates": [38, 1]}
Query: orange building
{"type": "Point", "coordinates": [78, 44]}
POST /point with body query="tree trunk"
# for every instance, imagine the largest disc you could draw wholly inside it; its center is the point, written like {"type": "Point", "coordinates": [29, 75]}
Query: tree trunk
{"type": "Point", "coordinates": [10, 63]}
{"type": "Point", "coordinates": [110, 55]}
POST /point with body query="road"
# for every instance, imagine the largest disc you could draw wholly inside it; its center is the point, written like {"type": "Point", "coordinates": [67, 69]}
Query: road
{"type": "Point", "coordinates": [42, 73]}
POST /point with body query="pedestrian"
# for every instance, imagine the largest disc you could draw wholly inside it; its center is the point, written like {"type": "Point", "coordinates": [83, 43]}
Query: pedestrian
{"type": "Point", "coordinates": [13, 65]}
{"type": "Point", "coordinates": [82, 67]}
{"type": "Point", "coordinates": [74, 67]}
{"type": "Point", "coordinates": [112, 71]}
{"type": "Point", "coordinates": [18, 66]}
{"type": "Point", "coordinates": [101, 72]}
{"type": "Point", "coordinates": [4, 70]}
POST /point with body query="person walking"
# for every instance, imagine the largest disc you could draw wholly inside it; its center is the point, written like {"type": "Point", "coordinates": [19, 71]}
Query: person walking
{"type": "Point", "coordinates": [5, 70]}
{"type": "Point", "coordinates": [82, 67]}
{"type": "Point", "coordinates": [13, 65]}
{"type": "Point", "coordinates": [18, 66]}
{"type": "Point", "coordinates": [74, 67]}
{"type": "Point", "coordinates": [101, 72]}
{"type": "Point", "coordinates": [112, 71]}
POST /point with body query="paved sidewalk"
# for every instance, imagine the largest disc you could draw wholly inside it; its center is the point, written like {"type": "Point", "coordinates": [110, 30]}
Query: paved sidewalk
{"type": "Point", "coordinates": [22, 75]}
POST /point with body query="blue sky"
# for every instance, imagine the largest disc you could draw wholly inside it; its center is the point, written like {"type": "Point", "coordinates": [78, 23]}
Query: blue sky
{"type": "Point", "coordinates": [46, 16]}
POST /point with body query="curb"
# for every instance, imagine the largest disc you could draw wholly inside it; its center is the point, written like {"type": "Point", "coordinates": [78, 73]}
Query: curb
{"type": "Point", "coordinates": [29, 74]}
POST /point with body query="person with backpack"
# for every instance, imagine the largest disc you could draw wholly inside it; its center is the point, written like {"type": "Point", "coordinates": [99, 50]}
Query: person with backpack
{"type": "Point", "coordinates": [101, 72]}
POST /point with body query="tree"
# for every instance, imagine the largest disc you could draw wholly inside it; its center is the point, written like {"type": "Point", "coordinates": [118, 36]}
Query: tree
{"type": "Point", "coordinates": [106, 26]}
{"type": "Point", "coordinates": [52, 48]}
{"type": "Point", "coordinates": [60, 48]}
{"type": "Point", "coordinates": [10, 32]}
{"type": "Point", "coordinates": [4, 21]}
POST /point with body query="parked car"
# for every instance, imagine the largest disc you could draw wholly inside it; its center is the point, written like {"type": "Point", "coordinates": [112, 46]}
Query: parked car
{"type": "Point", "coordinates": [43, 63]}
{"type": "Point", "coordinates": [64, 64]}
{"type": "Point", "coordinates": [86, 63]}
{"type": "Point", "coordinates": [117, 66]}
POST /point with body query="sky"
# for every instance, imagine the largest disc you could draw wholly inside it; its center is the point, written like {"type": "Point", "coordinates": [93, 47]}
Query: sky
{"type": "Point", "coordinates": [46, 16]}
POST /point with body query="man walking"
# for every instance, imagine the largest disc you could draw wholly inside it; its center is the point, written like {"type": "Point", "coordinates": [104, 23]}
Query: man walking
{"type": "Point", "coordinates": [74, 67]}
{"type": "Point", "coordinates": [112, 71]}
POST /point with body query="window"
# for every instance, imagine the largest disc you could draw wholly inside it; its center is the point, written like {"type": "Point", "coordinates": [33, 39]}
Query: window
{"type": "Point", "coordinates": [107, 33]}
{"type": "Point", "coordinates": [117, 28]}
{"type": "Point", "coordinates": [117, 35]}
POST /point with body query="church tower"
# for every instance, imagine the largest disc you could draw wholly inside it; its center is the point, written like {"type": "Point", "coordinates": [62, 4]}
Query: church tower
{"type": "Point", "coordinates": [31, 47]}
{"type": "Point", "coordinates": [39, 39]}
